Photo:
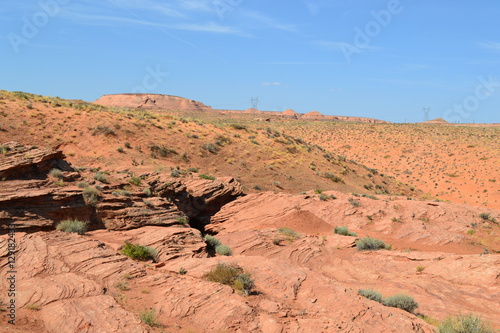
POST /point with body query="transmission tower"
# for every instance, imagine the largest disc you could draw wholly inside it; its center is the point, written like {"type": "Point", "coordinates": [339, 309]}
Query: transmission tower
{"type": "Point", "coordinates": [426, 113]}
{"type": "Point", "coordinates": [255, 102]}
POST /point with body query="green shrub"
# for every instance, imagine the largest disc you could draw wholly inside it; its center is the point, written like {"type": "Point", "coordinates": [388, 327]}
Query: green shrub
{"type": "Point", "coordinates": [211, 148]}
{"type": "Point", "coordinates": [223, 250]}
{"type": "Point", "coordinates": [333, 178]}
{"type": "Point", "coordinates": [371, 294]}
{"type": "Point", "coordinates": [101, 177]}
{"type": "Point", "coordinates": [82, 184]}
{"type": "Point", "coordinates": [464, 324]}
{"type": "Point", "coordinates": [204, 176]}
{"type": "Point", "coordinates": [149, 318]}
{"type": "Point", "coordinates": [56, 173]}
{"type": "Point", "coordinates": [401, 301]}
{"type": "Point", "coordinates": [212, 241]}
{"type": "Point", "coordinates": [80, 227]}
{"type": "Point", "coordinates": [231, 275]}
{"type": "Point", "coordinates": [91, 196]}
{"type": "Point", "coordinates": [290, 234]}
{"type": "Point", "coordinates": [182, 220]}
{"type": "Point", "coordinates": [104, 130]}
{"type": "Point", "coordinates": [135, 181]}
{"type": "Point", "coordinates": [138, 252]}
{"type": "Point", "coordinates": [344, 231]}
{"type": "Point", "coordinates": [370, 244]}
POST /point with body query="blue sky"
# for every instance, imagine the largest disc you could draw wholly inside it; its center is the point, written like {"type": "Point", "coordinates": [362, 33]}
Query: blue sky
{"type": "Point", "coordinates": [382, 59]}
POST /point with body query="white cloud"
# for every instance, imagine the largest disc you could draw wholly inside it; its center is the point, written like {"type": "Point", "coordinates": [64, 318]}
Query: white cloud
{"type": "Point", "coordinates": [271, 83]}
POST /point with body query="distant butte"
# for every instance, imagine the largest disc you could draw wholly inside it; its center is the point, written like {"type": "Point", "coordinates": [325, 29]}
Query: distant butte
{"type": "Point", "coordinates": [168, 102]}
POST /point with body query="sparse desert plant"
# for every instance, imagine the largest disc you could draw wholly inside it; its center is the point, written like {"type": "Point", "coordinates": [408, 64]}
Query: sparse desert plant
{"type": "Point", "coordinates": [182, 220]}
{"type": "Point", "coordinates": [464, 324]}
{"type": "Point", "coordinates": [212, 241]}
{"type": "Point", "coordinates": [401, 301]}
{"type": "Point", "coordinates": [289, 233]}
{"type": "Point", "coordinates": [205, 176]}
{"type": "Point", "coordinates": [138, 252]}
{"type": "Point", "coordinates": [231, 275]}
{"type": "Point", "coordinates": [210, 147]}
{"type": "Point", "coordinates": [101, 177]}
{"type": "Point", "coordinates": [370, 244]}
{"type": "Point", "coordinates": [223, 250]}
{"type": "Point", "coordinates": [135, 181]}
{"type": "Point", "coordinates": [123, 286]}
{"type": "Point", "coordinates": [104, 130]}
{"type": "Point", "coordinates": [420, 268]}
{"type": "Point", "coordinates": [148, 317]}
{"type": "Point", "coordinates": [371, 294]}
{"type": "Point", "coordinates": [82, 184]}
{"type": "Point", "coordinates": [354, 202]}
{"type": "Point", "coordinates": [182, 271]}
{"type": "Point", "coordinates": [91, 196]}
{"type": "Point", "coordinates": [120, 150]}
{"type": "Point", "coordinates": [344, 231]}
{"type": "Point", "coordinates": [4, 150]}
{"type": "Point", "coordinates": [56, 173]}
{"type": "Point", "coordinates": [487, 217]}
{"type": "Point", "coordinates": [147, 191]}
{"type": "Point", "coordinates": [127, 145]}
{"type": "Point", "coordinates": [33, 307]}
{"type": "Point", "coordinates": [79, 227]}
{"type": "Point", "coordinates": [333, 178]}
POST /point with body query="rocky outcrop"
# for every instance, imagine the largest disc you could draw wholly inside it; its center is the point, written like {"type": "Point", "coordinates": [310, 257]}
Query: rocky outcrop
{"type": "Point", "coordinates": [198, 198]}
{"type": "Point", "coordinates": [28, 162]}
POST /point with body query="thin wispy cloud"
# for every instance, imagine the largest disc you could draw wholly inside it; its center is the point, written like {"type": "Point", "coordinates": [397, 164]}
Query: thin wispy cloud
{"type": "Point", "coordinates": [341, 45]}
{"type": "Point", "coordinates": [300, 63]}
{"type": "Point", "coordinates": [267, 84]}
{"type": "Point", "coordinates": [266, 21]}
{"type": "Point", "coordinates": [495, 46]}
{"type": "Point", "coordinates": [148, 5]}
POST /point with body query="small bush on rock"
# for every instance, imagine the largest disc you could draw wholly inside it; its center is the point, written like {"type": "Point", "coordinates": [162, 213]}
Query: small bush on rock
{"type": "Point", "coordinates": [231, 275]}
{"type": "Point", "coordinates": [370, 244]}
{"type": "Point", "coordinates": [212, 241]}
{"type": "Point", "coordinates": [371, 294]}
{"type": "Point", "coordinates": [223, 250]}
{"type": "Point", "coordinates": [464, 324]}
{"type": "Point", "coordinates": [401, 301]}
{"type": "Point", "coordinates": [138, 252]}
{"type": "Point", "coordinates": [80, 227]}
{"type": "Point", "coordinates": [344, 231]}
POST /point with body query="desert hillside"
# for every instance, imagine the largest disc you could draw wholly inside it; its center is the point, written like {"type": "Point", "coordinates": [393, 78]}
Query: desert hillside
{"type": "Point", "coordinates": [148, 220]}
{"type": "Point", "coordinates": [455, 163]}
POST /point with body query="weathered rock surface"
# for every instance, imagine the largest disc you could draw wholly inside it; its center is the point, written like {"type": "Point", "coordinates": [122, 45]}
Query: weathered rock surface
{"type": "Point", "coordinates": [197, 198]}
{"type": "Point", "coordinates": [28, 162]}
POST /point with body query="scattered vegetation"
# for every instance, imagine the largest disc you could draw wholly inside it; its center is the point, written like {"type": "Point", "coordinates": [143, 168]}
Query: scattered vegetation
{"type": "Point", "coordinates": [371, 294]}
{"type": "Point", "coordinates": [101, 177]}
{"type": "Point", "coordinates": [33, 307]}
{"type": "Point", "coordinates": [149, 318]}
{"type": "Point", "coordinates": [368, 243]}
{"type": "Point", "coordinates": [103, 130]}
{"type": "Point", "coordinates": [182, 271]}
{"type": "Point", "coordinates": [354, 202]}
{"type": "Point", "coordinates": [77, 226]}
{"type": "Point", "coordinates": [344, 231]}
{"type": "Point", "coordinates": [223, 250]}
{"type": "Point", "coordinates": [231, 275]}
{"type": "Point", "coordinates": [123, 286]}
{"type": "Point", "coordinates": [56, 173]}
{"type": "Point", "coordinates": [401, 301]}
{"type": "Point", "coordinates": [464, 324]}
{"type": "Point", "coordinates": [487, 217]}
{"type": "Point", "coordinates": [420, 268]}
{"type": "Point", "coordinates": [289, 233]}
{"type": "Point", "coordinates": [138, 252]}
{"type": "Point", "coordinates": [205, 176]}
{"type": "Point", "coordinates": [91, 196]}
{"type": "Point", "coordinates": [212, 241]}
{"type": "Point", "coordinates": [135, 180]}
